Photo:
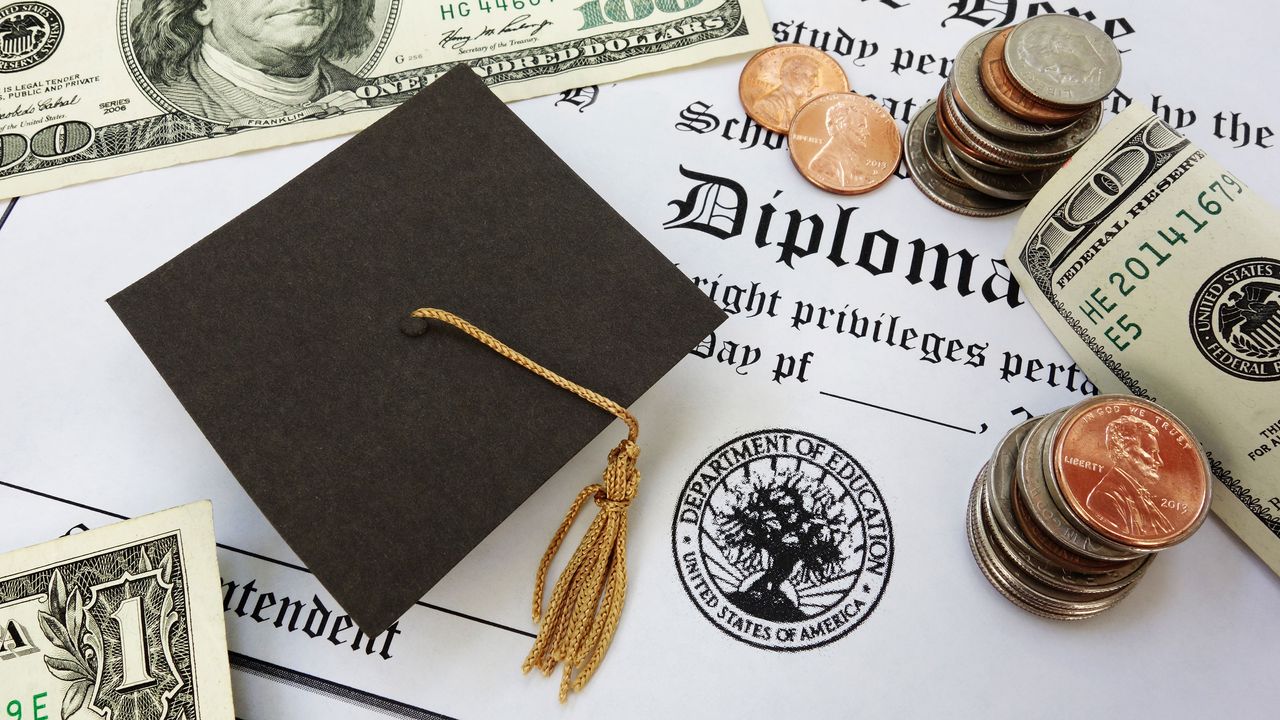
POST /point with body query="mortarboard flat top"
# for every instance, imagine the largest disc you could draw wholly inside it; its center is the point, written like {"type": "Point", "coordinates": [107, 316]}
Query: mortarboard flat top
{"type": "Point", "coordinates": [383, 459]}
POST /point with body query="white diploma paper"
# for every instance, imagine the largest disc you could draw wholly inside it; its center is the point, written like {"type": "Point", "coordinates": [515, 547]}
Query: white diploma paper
{"type": "Point", "coordinates": [841, 329]}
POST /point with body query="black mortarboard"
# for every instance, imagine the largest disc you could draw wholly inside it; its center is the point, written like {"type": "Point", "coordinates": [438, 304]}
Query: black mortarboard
{"type": "Point", "coordinates": [383, 458]}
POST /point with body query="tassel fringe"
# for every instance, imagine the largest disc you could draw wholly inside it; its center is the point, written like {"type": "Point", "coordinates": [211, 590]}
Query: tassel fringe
{"type": "Point", "coordinates": [586, 602]}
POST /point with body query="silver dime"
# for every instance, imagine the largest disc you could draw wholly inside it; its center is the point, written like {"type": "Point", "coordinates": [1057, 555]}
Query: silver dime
{"type": "Point", "coordinates": [979, 549]}
{"type": "Point", "coordinates": [1065, 604]}
{"type": "Point", "coordinates": [1022, 155]}
{"type": "Point", "coordinates": [1045, 569]}
{"type": "Point", "coordinates": [1004, 575]}
{"type": "Point", "coordinates": [1063, 60]}
{"type": "Point", "coordinates": [977, 162]}
{"type": "Point", "coordinates": [972, 156]}
{"type": "Point", "coordinates": [966, 85]}
{"type": "Point", "coordinates": [1022, 186]}
{"type": "Point", "coordinates": [1026, 591]}
{"type": "Point", "coordinates": [1034, 488]}
{"type": "Point", "coordinates": [935, 153]}
{"type": "Point", "coordinates": [953, 197]}
{"type": "Point", "coordinates": [1005, 463]}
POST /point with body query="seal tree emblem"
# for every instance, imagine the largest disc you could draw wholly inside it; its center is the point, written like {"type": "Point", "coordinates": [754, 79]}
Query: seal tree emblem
{"type": "Point", "coordinates": [29, 33]}
{"type": "Point", "coordinates": [1235, 319]}
{"type": "Point", "coordinates": [782, 540]}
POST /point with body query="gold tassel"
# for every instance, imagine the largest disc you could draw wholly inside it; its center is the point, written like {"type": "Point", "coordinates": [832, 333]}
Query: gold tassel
{"type": "Point", "coordinates": [586, 602]}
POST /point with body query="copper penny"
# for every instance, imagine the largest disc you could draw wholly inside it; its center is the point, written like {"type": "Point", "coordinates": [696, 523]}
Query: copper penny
{"type": "Point", "coordinates": [845, 143]}
{"type": "Point", "coordinates": [948, 131]}
{"type": "Point", "coordinates": [1131, 471]}
{"type": "Point", "coordinates": [1000, 85]}
{"type": "Point", "coordinates": [776, 82]}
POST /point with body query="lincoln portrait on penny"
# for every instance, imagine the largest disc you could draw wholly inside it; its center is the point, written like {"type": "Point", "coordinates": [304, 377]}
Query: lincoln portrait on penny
{"type": "Point", "coordinates": [231, 59]}
{"type": "Point", "coordinates": [1122, 498]}
{"type": "Point", "coordinates": [797, 78]}
{"type": "Point", "coordinates": [842, 159]}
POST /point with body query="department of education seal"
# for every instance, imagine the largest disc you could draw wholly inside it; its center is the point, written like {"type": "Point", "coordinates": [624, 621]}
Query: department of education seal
{"type": "Point", "coordinates": [29, 33]}
{"type": "Point", "coordinates": [1235, 319]}
{"type": "Point", "coordinates": [782, 540]}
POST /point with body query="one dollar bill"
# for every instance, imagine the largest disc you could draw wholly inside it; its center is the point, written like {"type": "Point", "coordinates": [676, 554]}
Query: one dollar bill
{"type": "Point", "coordinates": [123, 622]}
{"type": "Point", "coordinates": [97, 89]}
{"type": "Point", "coordinates": [1159, 271]}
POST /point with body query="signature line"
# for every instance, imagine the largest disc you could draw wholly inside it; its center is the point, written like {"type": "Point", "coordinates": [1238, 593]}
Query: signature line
{"type": "Point", "coordinates": [904, 414]}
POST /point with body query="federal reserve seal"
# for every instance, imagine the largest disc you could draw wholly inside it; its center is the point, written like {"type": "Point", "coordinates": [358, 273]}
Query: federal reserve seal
{"type": "Point", "coordinates": [1235, 319]}
{"type": "Point", "coordinates": [29, 33]}
{"type": "Point", "coordinates": [782, 540]}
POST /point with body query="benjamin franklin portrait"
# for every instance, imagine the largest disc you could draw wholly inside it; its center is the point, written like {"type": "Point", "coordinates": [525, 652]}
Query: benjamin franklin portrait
{"type": "Point", "coordinates": [230, 59]}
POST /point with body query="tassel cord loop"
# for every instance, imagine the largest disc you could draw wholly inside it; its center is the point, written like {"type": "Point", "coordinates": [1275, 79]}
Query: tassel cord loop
{"type": "Point", "coordinates": [493, 343]}
{"type": "Point", "coordinates": [582, 615]}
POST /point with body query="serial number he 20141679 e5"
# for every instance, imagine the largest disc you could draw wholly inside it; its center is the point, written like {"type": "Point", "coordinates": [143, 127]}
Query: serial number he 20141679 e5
{"type": "Point", "coordinates": [1141, 264]}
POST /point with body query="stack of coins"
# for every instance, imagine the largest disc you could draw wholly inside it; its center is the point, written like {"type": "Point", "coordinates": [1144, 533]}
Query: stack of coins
{"type": "Point", "coordinates": [1073, 506]}
{"type": "Point", "coordinates": [1018, 103]}
{"type": "Point", "coordinates": [840, 141]}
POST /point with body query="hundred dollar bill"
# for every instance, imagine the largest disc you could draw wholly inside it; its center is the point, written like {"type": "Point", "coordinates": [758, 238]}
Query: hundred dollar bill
{"type": "Point", "coordinates": [1159, 271]}
{"type": "Point", "coordinates": [95, 89]}
{"type": "Point", "coordinates": [123, 622]}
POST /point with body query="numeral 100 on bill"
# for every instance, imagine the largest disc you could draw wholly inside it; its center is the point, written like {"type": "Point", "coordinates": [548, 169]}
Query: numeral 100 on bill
{"type": "Point", "coordinates": [50, 141]}
{"type": "Point", "coordinates": [605, 12]}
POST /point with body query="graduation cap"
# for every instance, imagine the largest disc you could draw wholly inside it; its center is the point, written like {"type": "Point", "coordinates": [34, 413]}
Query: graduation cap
{"type": "Point", "coordinates": [294, 336]}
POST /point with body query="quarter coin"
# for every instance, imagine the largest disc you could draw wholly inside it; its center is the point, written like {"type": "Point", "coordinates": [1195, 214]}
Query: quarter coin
{"type": "Point", "coordinates": [1022, 186]}
{"type": "Point", "coordinates": [1063, 60]}
{"type": "Point", "coordinates": [1048, 569]}
{"type": "Point", "coordinates": [956, 198]}
{"type": "Point", "coordinates": [777, 81]}
{"type": "Point", "coordinates": [1009, 95]}
{"type": "Point", "coordinates": [960, 147]}
{"type": "Point", "coordinates": [935, 153]}
{"type": "Point", "coordinates": [845, 143]}
{"type": "Point", "coordinates": [1004, 463]}
{"type": "Point", "coordinates": [966, 85]}
{"type": "Point", "coordinates": [978, 547]}
{"type": "Point", "coordinates": [1056, 603]}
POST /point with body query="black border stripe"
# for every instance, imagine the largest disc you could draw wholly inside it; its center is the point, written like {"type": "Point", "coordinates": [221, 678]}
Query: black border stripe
{"type": "Point", "coordinates": [337, 691]}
